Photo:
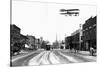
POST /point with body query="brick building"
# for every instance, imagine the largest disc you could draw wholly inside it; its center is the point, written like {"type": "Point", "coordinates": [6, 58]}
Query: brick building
{"type": "Point", "coordinates": [68, 41]}
{"type": "Point", "coordinates": [14, 34]}
{"type": "Point", "coordinates": [17, 40]}
{"type": "Point", "coordinates": [76, 39]}
{"type": "Point", "coordinates": [89, 33]}
{"type": "Point", "coordinates": [73, 41]}
{"type": "Point", "coordinates": [31, 41]}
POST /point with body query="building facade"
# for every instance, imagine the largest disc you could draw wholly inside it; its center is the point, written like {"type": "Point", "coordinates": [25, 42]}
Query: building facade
{"type": "Point", "coordinates": [14, 34]}
{"type": "Point", "coordinates": [17, 40]}
{"type": "Point", "coordinates": [73, 41]}
{"type": "Point", "coordinates": [89, 33]}
{"type": "Point", "coordinates": [68, 41]}
{"type": "Point", "coordinates": [76, 39]}
{"type": "Point", "coordinates": [31, 41]}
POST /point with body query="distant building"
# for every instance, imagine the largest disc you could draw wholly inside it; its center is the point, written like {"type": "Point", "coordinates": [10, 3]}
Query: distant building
{"type": "Point", "coordinates": [68, 41]}
{"type": "Point", "coordinates": [41, 41]}
{"type": "Point", "coordinates": [76, 39]}
{"type": "Point", "coordinates": [75, 35]}
{"type": "Point", "coordinates": [23, 40]}
{"type": "Point", "coordinates": [31, 41]}
{"type": "Point", "coordinates": [38, 43]}
{"type": "Point", "coordinates": [56, 45]}
{"type": "Point", "coordinates": [89, 33]}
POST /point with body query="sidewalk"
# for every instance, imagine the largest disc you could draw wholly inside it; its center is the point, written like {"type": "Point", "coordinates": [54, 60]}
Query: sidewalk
{"type": "Point", "coordinates": [86, 53]}
{"type": "Point", "coordinates": [81, 54]}
{"type": "Point", "coordinates": [22, 53]}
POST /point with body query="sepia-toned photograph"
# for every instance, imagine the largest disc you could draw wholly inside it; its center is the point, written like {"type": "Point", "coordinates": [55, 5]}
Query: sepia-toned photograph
{"type": "Point", "coordinates": [47, 33]}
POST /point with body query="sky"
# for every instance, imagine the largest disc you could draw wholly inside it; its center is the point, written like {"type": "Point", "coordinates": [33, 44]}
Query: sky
{"type": "Point", "coordinates": [42, 19]}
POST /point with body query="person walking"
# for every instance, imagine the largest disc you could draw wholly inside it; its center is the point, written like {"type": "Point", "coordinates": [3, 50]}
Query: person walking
{"type": "Point", "coordinates": [91, 51]}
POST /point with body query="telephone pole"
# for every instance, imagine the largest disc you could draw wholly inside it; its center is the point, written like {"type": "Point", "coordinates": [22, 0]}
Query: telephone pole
{"type": "Point", "coordinates": [80, 35]}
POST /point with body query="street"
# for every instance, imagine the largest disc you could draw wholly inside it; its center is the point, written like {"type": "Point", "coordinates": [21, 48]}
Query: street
{"type": "Point", "coordinates": [56, 56]}
{"type": "Point", "coordinates": [43, 33]}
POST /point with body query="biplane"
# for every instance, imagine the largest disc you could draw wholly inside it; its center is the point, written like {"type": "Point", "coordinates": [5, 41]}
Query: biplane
{"type": "Point", "coordinates": [70, 12]}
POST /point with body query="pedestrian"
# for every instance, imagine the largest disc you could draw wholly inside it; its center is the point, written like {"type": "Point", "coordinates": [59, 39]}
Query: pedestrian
{"type": "Point", "coordinates": [91, 51]}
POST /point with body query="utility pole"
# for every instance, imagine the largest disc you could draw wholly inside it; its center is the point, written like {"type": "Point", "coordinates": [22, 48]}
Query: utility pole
{"type": "Point", "coordinates": [65, 41]}
{"type": "Point", "coordinates": [80, 35]}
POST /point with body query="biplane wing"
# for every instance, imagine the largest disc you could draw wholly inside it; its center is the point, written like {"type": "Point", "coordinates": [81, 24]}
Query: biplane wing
{"type": "Point", "coordinates": [71, 13]}
{"type": "Point", "coordinates": [62, 10]}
